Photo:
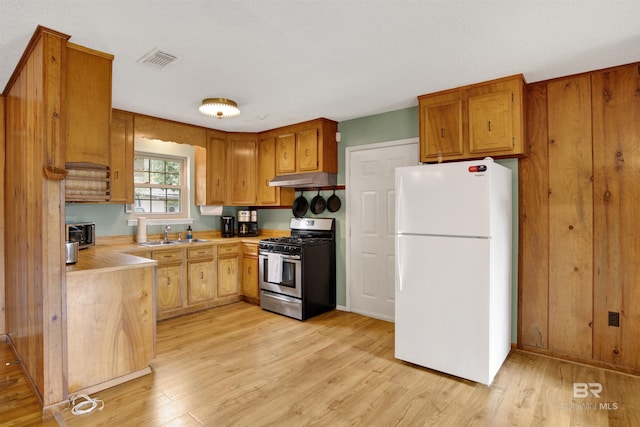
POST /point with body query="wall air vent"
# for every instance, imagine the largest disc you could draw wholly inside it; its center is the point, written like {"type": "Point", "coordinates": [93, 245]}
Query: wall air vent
{"type": "Point", "coordinates": [158, 58]}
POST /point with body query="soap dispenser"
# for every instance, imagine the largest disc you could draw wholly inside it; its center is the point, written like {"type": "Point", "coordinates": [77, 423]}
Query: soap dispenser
{"type": "Point", "coordinates": [189, 233]}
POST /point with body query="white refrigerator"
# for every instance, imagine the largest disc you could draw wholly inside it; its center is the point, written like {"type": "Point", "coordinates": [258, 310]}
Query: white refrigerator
{"type": "Point", "coordinates": [453, 267]}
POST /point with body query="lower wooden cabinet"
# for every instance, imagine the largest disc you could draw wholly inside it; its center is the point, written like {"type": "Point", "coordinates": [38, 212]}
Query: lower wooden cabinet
{"type": "Point", "coordinates": [169, 280]}
{"type": "Point", "coordinates": [196, 277]}
{"type": "Point", "coordinates": [228, 263]}
{"type": "Point", "coordinates": [169, 287]}
{"type": "Point", "coordinates": [200, 278]}
{"type": "Point", "coordinates": [250, 276]}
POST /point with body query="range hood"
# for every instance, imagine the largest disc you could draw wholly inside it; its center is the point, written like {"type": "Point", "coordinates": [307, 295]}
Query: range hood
{"type": "Point", "coordinates": [305, 180]}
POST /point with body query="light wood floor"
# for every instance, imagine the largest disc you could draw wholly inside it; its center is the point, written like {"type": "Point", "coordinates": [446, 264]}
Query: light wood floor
{"type": "Point", "coordinates": [238, 365]}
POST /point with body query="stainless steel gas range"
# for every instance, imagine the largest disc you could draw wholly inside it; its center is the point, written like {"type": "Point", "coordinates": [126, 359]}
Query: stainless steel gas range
{"type": "Point", "coordinates": [298, 273]}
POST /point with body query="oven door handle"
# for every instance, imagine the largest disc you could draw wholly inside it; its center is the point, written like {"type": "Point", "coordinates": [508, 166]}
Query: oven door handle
{"type": "Point", "coordinates": [282, 297]}
{"type": "Point", "coordinates": [284, 257]}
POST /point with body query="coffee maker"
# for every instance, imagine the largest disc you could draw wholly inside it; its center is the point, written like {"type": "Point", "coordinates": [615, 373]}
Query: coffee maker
{"type": "Point", "coordinates": [227, 227]}
{"type": "Point", "coordinates": [247, 223]}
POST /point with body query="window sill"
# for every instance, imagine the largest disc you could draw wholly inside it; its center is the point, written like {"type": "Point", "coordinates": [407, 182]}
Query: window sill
{"type": "Point", "coordinates": [176, 221]}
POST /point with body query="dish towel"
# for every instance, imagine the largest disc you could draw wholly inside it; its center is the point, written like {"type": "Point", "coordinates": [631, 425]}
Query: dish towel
{"type": "Point", "coordinates": [274, 268]}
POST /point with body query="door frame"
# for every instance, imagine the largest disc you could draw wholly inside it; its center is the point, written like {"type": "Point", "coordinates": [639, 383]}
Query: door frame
{"type": "Point", "coordinates": [347, 166]}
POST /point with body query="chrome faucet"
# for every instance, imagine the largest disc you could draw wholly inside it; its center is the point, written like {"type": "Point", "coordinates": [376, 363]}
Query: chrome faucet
{"type": "Point", "coordinates": [167, 229]}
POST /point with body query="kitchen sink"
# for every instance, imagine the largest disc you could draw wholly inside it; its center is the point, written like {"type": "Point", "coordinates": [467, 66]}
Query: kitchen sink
{"type": "Point", "coordinates": [172, 242]}
{"type": "Point", "coordinates": [161, 243]}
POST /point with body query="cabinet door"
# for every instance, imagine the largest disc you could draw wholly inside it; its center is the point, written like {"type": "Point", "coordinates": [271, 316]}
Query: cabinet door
{"type": "Point", "coordinates": [200, 281]}
{"type": "Point", "coordinates": [250, 277]}
{"type": "Point", "coordinates": [286, 153]}
{"type": "Point", "coordinates": [490, 124]}
{"type": "Point", "coordinates": [121, 163]}
{"type": "Point", "coordinates": [169, 282]}
{"type": "Point", "coordinates": [242, 152]}
{"type": "Point", "coordinates": [88, 105]}
{"type": "Point", "coordinates": [267, 195]}
{"type": "Point", "coordinates": [227, 276]}
{"type": "Point", "coordinates": [441, 131]}
{"type": "Point", "coordinates": [496, 118]}
{"type": "Point", "coordinates": [307, 150]}
{"type": "Point", "coordinates": [216, 168]}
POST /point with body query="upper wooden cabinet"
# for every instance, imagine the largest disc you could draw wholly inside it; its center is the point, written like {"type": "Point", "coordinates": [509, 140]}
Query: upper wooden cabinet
{"type": "Point", "coordinates": [484, 119]}
{"type": "Point", "coordinates": [242, 165]}
{"type": "Point", "coordinates": [216, 167]}
{"type": "Point", "coordinates": [285, 154]}
{"type": "Point", "coordinates": [267, 195]}
{"type": "Point", "coordinates": [441, 130]}
{"type": "Point", "coordinates": [306, 147]}
{"type": "Point", "coordinates": [121, 157]}
{"type": "Point", "coordinates": [88, 105]}
{"type": "Point", "coordinates": [233, 168]}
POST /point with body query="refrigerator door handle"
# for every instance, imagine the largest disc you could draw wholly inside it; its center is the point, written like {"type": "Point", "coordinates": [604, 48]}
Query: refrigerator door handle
{"type": "Point", "coordinates": [398, 265]}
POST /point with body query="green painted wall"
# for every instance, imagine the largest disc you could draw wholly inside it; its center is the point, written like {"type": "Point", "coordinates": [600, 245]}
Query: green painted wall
{"type": "Point", "coordinates": [395, 125]}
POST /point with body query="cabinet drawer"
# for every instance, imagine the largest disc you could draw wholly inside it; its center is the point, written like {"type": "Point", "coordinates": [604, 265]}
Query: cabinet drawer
{"type": "Point", "coordinates": [167, 256]}
{"type": "Point", "coordinates": [228, 250]}
{"type": "Point", "coordinates": [200, 252]}
{"type": "Point", "coordinates": [250, 249]}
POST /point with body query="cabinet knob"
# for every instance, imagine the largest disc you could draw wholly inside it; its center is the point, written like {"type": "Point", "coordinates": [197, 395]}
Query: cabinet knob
{"type": "Point", "coordinates": [202, 275]}
{"type": "Point", "coordinates": [442, 132]}
{"type": "Point", "coordinates": [306, 152]}
{"type": "Point", "coordinates": [228, 270]}
{"type": "Point", "coordinates": [489, 125]}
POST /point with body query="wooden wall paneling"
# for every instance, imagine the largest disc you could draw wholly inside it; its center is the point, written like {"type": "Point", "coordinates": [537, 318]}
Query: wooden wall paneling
{"type": "Point", "coordinates": [24, 325]}
{"type": "Point", "coordinates": [52, 220]}
{"type": "Point", "coordinates": [533, 298]}
{"type": "Point", "coordinates": [616, 149]}
{"type": "Point", "coordinates": [34, 241]}
{"type": "Point", "coordinates": [2, 254]}
{"type": "Point", "coordinates": [570, 217]}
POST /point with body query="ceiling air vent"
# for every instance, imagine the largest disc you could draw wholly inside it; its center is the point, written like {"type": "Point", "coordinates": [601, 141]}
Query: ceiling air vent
{"type": "Point", "coordinates": [158, 58]}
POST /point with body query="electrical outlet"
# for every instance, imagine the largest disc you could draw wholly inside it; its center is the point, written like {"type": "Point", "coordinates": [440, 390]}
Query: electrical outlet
{"type": "Point", "coordinates": [614, 318]}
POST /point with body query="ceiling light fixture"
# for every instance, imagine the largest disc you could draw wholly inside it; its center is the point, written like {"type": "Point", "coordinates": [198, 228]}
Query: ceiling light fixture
{"type": "Point", "coordinates": [219, 107]}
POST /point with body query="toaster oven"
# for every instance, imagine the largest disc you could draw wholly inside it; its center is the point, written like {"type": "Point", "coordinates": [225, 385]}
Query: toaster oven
{"type": "Point", "coordinates": [82, 232]}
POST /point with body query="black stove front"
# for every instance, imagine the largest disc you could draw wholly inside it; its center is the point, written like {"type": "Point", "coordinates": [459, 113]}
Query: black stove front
{"type": "Point", "coordinates": [298, 273]}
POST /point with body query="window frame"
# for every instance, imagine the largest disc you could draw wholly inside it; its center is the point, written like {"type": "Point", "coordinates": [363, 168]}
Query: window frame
{"type": "Point", "coordinates": [183, 187]}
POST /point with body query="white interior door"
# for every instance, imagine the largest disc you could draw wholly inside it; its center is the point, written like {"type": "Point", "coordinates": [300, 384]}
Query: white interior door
{"type": "Point", "coordinates": [370, 172]}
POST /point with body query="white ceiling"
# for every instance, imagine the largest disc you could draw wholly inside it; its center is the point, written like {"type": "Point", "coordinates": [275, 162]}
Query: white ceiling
{"type": "Point", "coordinates": [286, 61]}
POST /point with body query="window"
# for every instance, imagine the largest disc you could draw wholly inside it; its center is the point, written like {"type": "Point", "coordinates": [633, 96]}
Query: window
{"type": "Point", "coordinates": [160, 186]}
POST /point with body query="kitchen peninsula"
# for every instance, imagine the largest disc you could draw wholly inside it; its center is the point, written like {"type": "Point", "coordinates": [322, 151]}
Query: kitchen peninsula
{"type": "Point", "coordinates": [111, 319]}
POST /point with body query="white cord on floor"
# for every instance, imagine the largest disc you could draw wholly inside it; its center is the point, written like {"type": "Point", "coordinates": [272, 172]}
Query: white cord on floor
{"type": "Point", "coordinates": [86, 406]}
